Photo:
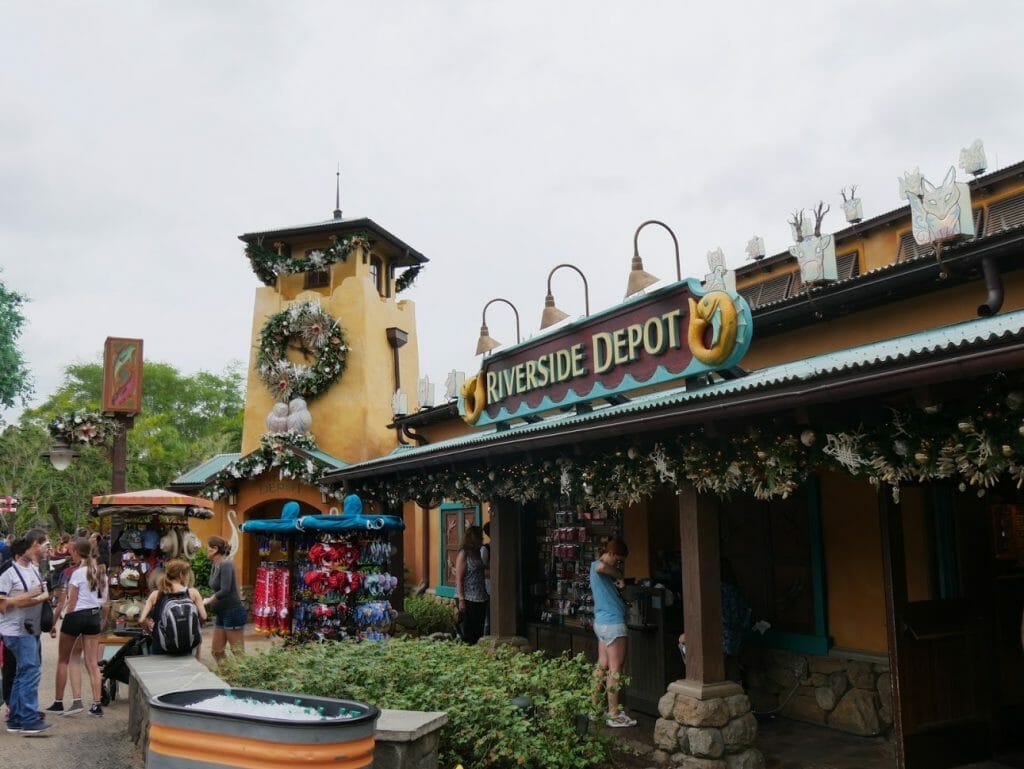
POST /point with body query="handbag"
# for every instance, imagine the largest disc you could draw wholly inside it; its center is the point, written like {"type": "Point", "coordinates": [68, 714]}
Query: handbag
{"type": "Point", "coordinates": [46, 618]}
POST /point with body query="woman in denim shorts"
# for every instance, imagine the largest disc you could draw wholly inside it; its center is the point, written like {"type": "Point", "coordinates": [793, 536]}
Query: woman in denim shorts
{"type": "Point", "coordinates": [229, 623]}
{"type": "Point", "coordinates": [606, 578]}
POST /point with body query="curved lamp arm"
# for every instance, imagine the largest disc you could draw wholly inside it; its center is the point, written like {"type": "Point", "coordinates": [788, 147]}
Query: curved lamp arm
{"type": "Point", "coordinates": [486, 343]}
{"type": "Point", "coordinates": [586, 286]}
{"type": "Point", "coordinates": [483, 315]}
{"type": "Point", "coordinates": [637, 264]}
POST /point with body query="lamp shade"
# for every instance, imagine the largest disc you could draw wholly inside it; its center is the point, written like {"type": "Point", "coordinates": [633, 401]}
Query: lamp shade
{"type": "Point", "coordinates": [639, 279]}
{"type": "Point", "coordinates": [551, 314]}
{"type": "Point", "coordinates": [486, 343]}
{"type": "Point", "coordinates": [60, 456]}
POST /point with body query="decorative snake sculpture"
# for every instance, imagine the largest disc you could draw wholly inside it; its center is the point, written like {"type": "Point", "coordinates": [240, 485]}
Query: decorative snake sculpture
{"type": "Point", "coordinates": [474, 397]}
{"type": "Point", "coordinates": [702, 314]}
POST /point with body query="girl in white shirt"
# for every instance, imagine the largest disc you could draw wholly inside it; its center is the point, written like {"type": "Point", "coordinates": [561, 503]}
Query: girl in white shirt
{"type": "Point", "coordinates": [87, 592]}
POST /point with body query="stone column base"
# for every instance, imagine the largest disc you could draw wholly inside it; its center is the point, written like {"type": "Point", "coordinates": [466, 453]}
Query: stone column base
{"type": "Point", "coordinates": [713, 733]}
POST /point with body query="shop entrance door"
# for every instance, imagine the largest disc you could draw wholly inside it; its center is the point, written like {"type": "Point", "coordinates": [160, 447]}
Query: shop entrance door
{"type": "Point", "coordinates": [937, 559]}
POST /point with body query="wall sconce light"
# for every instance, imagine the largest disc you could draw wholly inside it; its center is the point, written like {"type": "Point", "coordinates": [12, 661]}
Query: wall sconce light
{"type": "Point", "coordinates": [60, 456]}
{"type": "Point", "coordinates": [638, 278]}
{"type": "Point", "coordinates": [232, 498]}
{"type": "Point", "coordinates": [552, 314]}
{"type": "Point", "coordinates": [486, 343]}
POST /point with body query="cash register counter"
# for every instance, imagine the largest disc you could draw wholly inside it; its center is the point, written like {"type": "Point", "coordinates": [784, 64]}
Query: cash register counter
{"type": "Point", "coordinates": [652, 656]}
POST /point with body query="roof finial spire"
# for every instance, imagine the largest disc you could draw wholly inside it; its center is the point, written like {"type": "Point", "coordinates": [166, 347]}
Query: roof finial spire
{"type": "Point", "coordinates": [337, 193]}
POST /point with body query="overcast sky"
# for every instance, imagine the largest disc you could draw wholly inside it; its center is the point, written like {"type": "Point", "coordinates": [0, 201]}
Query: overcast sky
{"type": "Point", "coordinates": [139, 139]}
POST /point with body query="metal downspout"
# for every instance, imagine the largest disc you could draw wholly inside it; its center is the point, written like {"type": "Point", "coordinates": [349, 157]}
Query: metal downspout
{"type": "Point", "coordinates": [994, 284]}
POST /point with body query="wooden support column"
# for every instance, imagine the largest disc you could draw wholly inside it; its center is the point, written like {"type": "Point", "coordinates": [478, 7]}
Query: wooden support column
{"type": "Point", "coordinates": [506, 525]}
{"type": "Point", "coordinates": [398, 542]}
{"type": "Point", "coordinates": [702, 598]}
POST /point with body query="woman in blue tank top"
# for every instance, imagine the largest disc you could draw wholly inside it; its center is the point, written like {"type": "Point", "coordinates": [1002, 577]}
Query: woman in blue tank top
{"type": "Point", "coordinates": [606, 578]}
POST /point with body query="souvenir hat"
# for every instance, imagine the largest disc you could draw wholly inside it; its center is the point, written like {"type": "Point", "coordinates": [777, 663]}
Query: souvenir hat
{"type": "Point", "coordinates": [134, 609]}
{"type": "Point", "coordinates": [129, 577]}
{"type": "Point", "coordinates": [151, 539]}
{"type": "Point", "coordinates": [190, 544]}
{"type": "Point", "coordinates": [169, 544]}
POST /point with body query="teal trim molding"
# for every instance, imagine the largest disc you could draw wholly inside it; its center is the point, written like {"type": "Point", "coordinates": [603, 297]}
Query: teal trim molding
{"type": "Point", "coordinates": [794, 642]}
{"type": "Point", "coordinates": [443, 589]}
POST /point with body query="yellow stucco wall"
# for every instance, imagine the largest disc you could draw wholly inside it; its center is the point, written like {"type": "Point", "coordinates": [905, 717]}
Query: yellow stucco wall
{"type": "Point", "coordinates": [940, 308]}
{"type": "Point", "coordinates": [853, 563]}
{"type": "Point", "coordinates": [350, 419]}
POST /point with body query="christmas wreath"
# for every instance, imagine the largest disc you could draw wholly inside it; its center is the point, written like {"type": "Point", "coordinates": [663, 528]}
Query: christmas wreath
{"type": "Point", "coordinates": [308, 328]}
{"type": "Point", "coordinates": [85, 427]}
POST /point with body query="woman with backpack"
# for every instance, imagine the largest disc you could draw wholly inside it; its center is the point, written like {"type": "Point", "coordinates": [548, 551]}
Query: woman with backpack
{"type": "Point", "coordinates": [229, 624]}
{"type": "Point", "coordinates": [173, 612]}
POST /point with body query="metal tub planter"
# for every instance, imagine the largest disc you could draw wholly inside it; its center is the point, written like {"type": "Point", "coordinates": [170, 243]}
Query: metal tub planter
{"type": "Point", "coordinates": [254, 728]}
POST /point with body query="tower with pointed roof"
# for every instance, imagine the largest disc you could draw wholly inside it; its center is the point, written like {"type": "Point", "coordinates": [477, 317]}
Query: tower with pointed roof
{"type": "Point", "coordinates": [352, 270]}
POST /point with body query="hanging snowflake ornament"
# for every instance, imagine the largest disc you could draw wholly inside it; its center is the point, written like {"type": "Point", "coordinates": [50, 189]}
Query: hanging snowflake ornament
{"type": "Point", "coordinates": [660, 461]}
{"type": "Point", "coordinates": [844, 448]}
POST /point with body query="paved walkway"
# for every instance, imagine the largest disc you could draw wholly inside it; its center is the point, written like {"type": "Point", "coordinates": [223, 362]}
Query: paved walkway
{"type": "Point", "coordinates": [84, 740]}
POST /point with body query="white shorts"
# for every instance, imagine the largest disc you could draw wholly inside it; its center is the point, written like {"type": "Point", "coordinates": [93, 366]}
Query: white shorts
{"type": "Point", "coordinates": [606, 634]}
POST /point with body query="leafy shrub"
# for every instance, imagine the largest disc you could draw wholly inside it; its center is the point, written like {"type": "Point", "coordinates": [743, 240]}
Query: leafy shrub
{"type": "Point", "coordinates": [473, 686]}
{"type": "Point", "coordinates": [430, 616]}
{"type": "Point", "coordinates": [201, 567]}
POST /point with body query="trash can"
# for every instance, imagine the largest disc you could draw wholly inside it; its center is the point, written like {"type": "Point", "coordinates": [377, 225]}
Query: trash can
{"type": "Point", "coordinates": [257, 729]}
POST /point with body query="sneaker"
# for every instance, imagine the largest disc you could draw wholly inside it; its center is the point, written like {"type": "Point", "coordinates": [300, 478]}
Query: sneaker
{"type": "Point", "coordinates": [13, 727]}
{"type": "Point", "coordinates": [56, 707]}
{"type": "Point", "coordinates": [97, 710]}
{"type": "Point", "coordinates": [620, 721]}
{"type": "Point", "coordinates": [31, 730]}
{"type": "Point", "coordinates": [76, 707]}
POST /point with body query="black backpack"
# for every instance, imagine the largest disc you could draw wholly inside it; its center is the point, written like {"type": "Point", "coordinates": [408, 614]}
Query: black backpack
{"type": "Point", "coordinates": [177, 624]}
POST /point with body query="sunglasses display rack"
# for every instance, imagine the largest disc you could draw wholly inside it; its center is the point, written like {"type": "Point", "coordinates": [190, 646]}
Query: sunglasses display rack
{"type": "Point", "coordinates": [333, 586]}
{"type": "Point", "coordinates": [568, 541]}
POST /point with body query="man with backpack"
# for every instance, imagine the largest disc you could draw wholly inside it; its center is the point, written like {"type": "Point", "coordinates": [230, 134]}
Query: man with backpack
{"type": "Point", "coordinates": [174, 612]}
{"type": "Point", "coordinates": [23, 588]}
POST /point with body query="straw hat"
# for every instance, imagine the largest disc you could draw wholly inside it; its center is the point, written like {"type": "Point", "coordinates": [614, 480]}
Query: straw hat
{"type": "Point", "coordinates": [129, 577]}
{"type": "Point", "coordinates": [169, 544]}
{"type": "Point", "coordinates": [190, 544]}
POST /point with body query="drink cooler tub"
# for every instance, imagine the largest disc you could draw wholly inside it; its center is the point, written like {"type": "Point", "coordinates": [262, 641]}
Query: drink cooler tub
{"type": "Point", "coordinates": [181, 737]}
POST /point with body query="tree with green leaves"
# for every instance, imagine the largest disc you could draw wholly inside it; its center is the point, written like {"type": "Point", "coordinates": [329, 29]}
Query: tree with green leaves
{"type": "Point", "coordinates": [184, 420]}
{"type": "Point", "coordinates": [15, 382]}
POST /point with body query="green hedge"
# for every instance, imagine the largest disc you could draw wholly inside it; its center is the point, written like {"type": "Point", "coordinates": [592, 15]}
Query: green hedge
{"type": "Point", "coordinates": [431, 616]}
{"type": "Point", "coordinates": [473, 686]}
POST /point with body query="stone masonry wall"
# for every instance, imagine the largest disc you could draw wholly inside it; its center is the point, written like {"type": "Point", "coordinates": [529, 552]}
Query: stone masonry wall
{"type": "Point", "coordinates": [852, 695]}
{"type": "Point", "coordinates": [706, 734]}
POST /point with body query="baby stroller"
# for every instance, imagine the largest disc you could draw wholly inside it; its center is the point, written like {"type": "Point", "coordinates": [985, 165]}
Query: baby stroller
{"type": "Point", "coordinates": [115, 670]}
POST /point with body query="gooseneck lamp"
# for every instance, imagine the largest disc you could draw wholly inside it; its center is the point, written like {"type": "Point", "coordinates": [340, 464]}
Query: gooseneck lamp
{"type": "Point", "coordinates": [486, 343]}
{"type": "Point", "coordinates": [639, 279]}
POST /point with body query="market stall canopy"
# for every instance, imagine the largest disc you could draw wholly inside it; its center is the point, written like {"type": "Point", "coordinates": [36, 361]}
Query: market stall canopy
{"type": "Point", "coordinates": [155, 501]}
{"type": "Point", "coordinates": [352, 519]}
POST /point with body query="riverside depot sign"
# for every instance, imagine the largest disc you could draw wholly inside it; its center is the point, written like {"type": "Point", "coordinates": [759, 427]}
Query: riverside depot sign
{"type": "Point", "coordinates": [667, 335]}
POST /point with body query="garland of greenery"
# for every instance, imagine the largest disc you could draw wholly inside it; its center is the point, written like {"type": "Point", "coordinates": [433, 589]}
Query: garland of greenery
{"type": "Point", "coordinates": [407, 278]}
{"type": "Point", "coordinates": [974, 447]}
{"type": "Point", "coordinates": [317, 334]}
{"type": "Point", "coordinates": [268, 264]}
{"type": "Point", "coordinates": [276, 450]}
{"type": "Point", "coordinates": [86, 427]}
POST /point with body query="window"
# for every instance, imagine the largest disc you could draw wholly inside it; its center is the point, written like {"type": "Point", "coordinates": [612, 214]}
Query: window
{"type": "Point", "coordinates": [455, 519]}
{"type": "Point", "coordinates": [376, 274]}
{"type": "Point", "coordinates": [317, 279]}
